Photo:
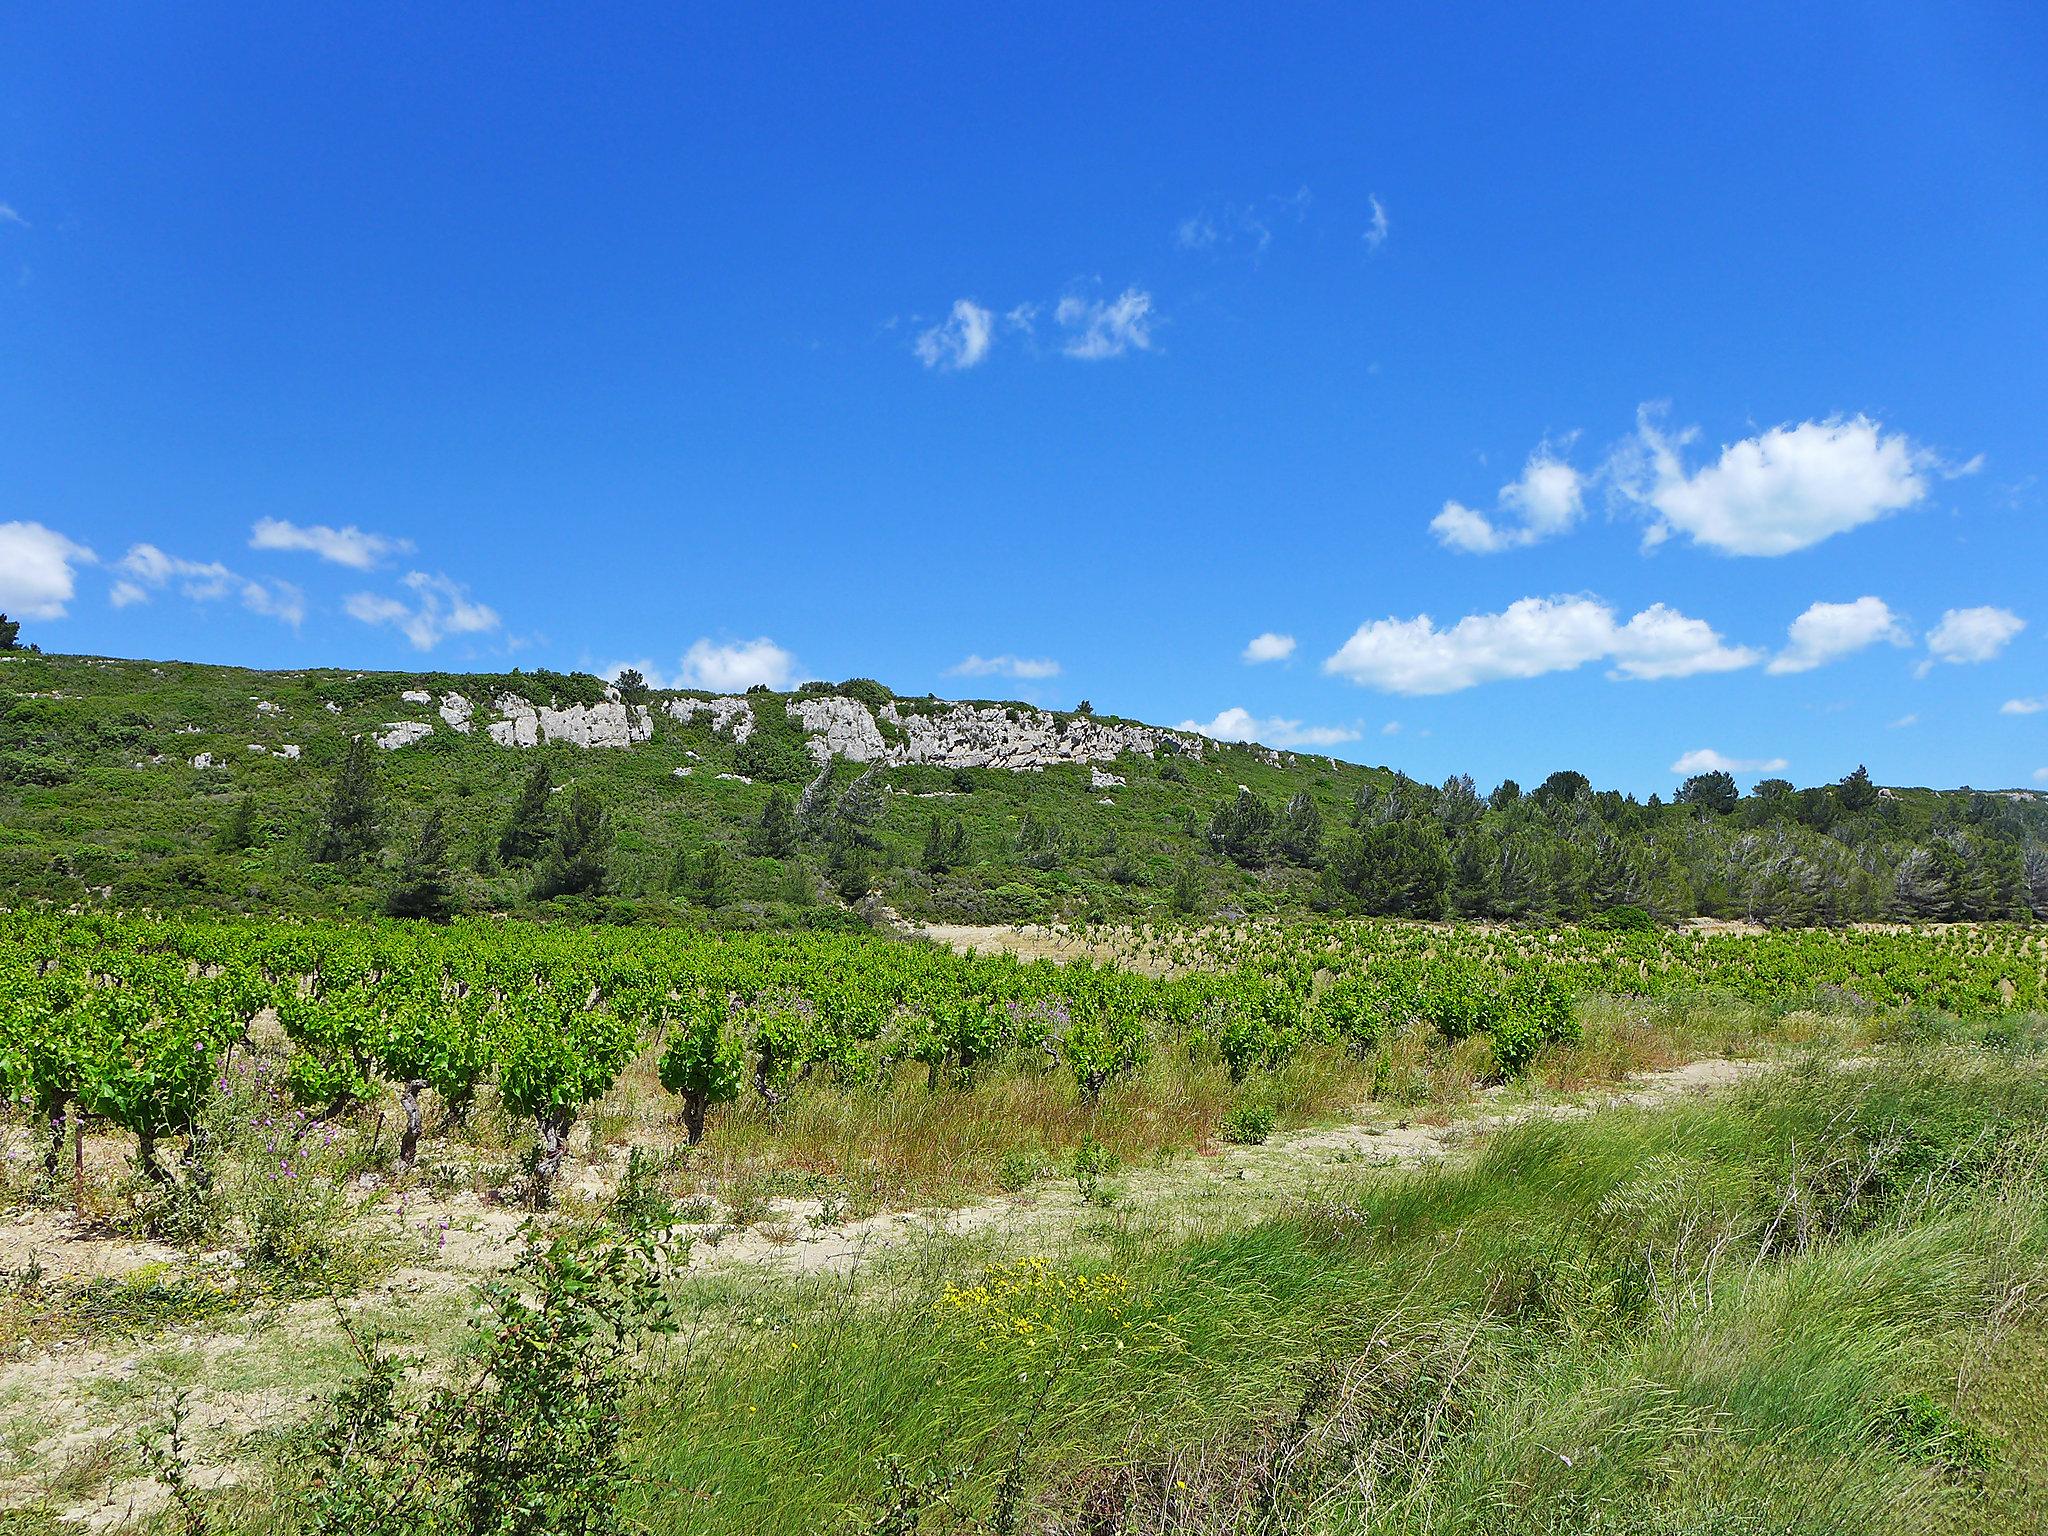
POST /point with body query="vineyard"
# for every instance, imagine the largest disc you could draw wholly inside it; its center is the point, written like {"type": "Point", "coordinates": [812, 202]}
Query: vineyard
{"type": "Point", "coordinates": [132, 1021]}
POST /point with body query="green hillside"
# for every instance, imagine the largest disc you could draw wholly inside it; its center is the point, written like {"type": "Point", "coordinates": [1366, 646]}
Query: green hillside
{"type": "Point", "coordinates": [99, 800]}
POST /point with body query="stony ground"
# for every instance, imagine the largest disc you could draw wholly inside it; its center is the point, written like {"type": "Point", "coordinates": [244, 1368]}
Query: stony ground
{"type": "Point", "coordinates": [70, 1413]}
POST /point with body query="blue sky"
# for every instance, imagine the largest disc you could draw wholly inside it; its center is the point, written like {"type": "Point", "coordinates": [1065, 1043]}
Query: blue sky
{"type": "Point", "coordinates": [1598, 389]}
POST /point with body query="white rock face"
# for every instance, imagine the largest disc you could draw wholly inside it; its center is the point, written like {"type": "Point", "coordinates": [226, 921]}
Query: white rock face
{"type": "Point", "coordinates": [984, 736]}
{"type": "Point", "coordinates": [680, 773]}
{"type": "Point", "coordinates": [839, 727]}
{"type": "Point", "coordinates": [1097, 779]}
{"type": "Point", "coordinates": [402, 733]}
{"type": "Point", "coordinates": [417, 696]}
{"type": "Point", "coordinates": [203, 761]}
{"type": "Point", "coordinates": [289, 752]}
{"type": "Point", "coordinates": [257, 746]}
{"type": "Point", "coordinates": [456, 710]}
{"type": "Point", "coordinates": [610, 724]}
{"type": "Point", "coordinates": [265, 707]}
{"type": "Point", "coordinates": [331, 707]}
{"type": "Point", "coordinates": [731, 714]}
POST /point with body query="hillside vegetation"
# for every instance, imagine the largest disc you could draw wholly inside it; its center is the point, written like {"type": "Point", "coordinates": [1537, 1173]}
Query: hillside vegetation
{"type": "Point", "coordinates": [100, 798]}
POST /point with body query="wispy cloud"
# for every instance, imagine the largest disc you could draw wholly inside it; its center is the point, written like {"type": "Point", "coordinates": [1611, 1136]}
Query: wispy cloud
{"type": "Point", "coordinates": [962, 340]}
{"type": "Point", "coordinates": [1022, 668]}
{"type": "Point", "coordinates": [9, 216]}
{"type": "Point", "coordinates": [1376, 230]}
{"type": "Point", "coordinates": [349, 546]}
{"type": "Point", "coordinates": [147, 569]}
{"type": "Point", "coordinates": [2032, 706]}
{"type": "Point", "coordinates": [439, 607]}
{"type": "Point", "coordinates": [1103, 328]}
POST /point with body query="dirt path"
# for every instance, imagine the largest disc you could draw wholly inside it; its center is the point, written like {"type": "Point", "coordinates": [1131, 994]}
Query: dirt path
{"type": "Point", "coordinates": [69, 1415]}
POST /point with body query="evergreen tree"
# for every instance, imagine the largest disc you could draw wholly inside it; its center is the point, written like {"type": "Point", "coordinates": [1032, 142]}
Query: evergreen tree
{"type": "Point", "coordinates": [2035, 870]}
{"type": "Point", "coordinates": [579, 859]}
{"type": "Point", "coordinates": [814, 806]}
{"type": "Point", "coordinates": [1855, 791]}
{"type": "Point", "coordinates": [1713, 792]}
{"type": "Point", "coordinates": [632, 686]}
{"type": "Point", "coordinates": [424, 887]}
{"type": "Point", "coordinates": [1457, 804]}
{"type": "Point", "coordinates": [945, 844]}
{"type": "Point", "coordinates": [526, 831]}
{"type": "Point", "coordinates": [774, 835]}
{"type": "Point", "coordinates": [239, 831]}
{"type": "Point", "coordinates": [712, 886]}
{"type": "Point", "coordinates": [10, 633]}
{"type": "Point", "coordinates": [1187, 891]}
{"type": "Point", "coordinates": [1243, 830]}
{"type": "Point", "coordinates": [1299, 836]}
{"type": "Point", "coordinates": [1393, 868]}
{"type": "Point", "coordinates": [348, 831]}
{"type": "Point", "coordinates": [860, 809]}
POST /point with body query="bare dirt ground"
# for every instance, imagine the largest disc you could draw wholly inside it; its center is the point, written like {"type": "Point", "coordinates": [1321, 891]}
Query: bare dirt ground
{"type": "Point", "coordinates": [70, 1414]}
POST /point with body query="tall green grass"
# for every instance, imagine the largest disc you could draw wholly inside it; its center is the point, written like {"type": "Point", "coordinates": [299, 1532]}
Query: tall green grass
{"type": "Point", "coordinates": [1701, 1318]}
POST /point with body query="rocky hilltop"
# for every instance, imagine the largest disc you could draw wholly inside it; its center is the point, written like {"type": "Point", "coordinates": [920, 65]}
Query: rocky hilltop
{"type": "Point", "coordinates": [900, 734]}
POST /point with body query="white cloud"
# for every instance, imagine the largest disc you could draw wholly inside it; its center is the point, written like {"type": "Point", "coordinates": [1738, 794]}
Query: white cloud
{"type": "Point", "coordinates": [1243, 725]}
{"type": "Point", "coordinates": [1376, 231]}
{"type": "Point", "coordinates": [1544, 501]}
{"type": "Point", "coordinates": [2041, 775]}
{"type": "Point", "coordinates": [959, 341]}
{"type": "Point", "coordinates": [1902, 722]}
{"type": "Point", "coordinates": [1827, 631]}
{"type": "Point", "coordinates": [1100, 328]}
{"type": "Point", "coordinates": [147, 567]}
{"type": "Point", "coordinates": [1783, 490]}
{"type": "Point", "coordinates": [1024, 668]}
{"type": "Point", "coordinates": [1967, 635]}
{"type": "Point", "coordinates": [441, 607]}
{"type": "Point", "coordinates": [1707, 760]}
{"type": "Point", "coordinates": [36, 575]}
{"type": "Point", "coordinates": [2032, 706]}
{"type": "Point", "coordinates": [278, 600]}
{"type": "Point", "coordinates": [736, 667]}
{"type": "Point", "coordinates": [9, 216]}
{"type": "Point", "coordinates": [349, 546]}
{"type": "Point", "coordinates": [1269, 647]}
{"type": "Point", "coordinates": [1534, 636]}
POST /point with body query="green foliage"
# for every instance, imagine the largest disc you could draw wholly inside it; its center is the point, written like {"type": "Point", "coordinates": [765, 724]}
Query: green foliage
{"type": "Point", "coordinates": [10, 633]}
{"type": "Point", "coordinates": [704, 1063]}
{"type": "Point", "coordinates": [1248, 1125]}
{"type": "Point", "coordinates": [527, 829]}
{"type": "Point", "coordinates": [946, 845]}
{"type": "Point", "coordinates": [774, 836]}
{"type": "Point", "coordinates": [348, 831]}
{"type": "Point", "coordinates": [527, 1441]}
{"type": "Point", "coordinates": [1713, 792]}
{"type": "Point", "coordinates": [578, 862]}
{"type": "Point", "coordinates": [425, 888]}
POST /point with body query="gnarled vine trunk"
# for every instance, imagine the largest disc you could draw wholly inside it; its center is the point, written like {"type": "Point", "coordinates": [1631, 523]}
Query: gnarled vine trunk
{"type": "Point", "coordinates": [554, 1144]}
{"type": "Point", "coordinates": [409, 1140]}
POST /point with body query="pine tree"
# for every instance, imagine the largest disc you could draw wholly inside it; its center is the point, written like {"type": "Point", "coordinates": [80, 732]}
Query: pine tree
{"type": "Point", "coordinates": [1855, 790]}
{"type": "Point", "coordinates": [239, 831]}
{"type": "Point", "coordinates": [712, 888]}
{"type": "Point", "coordinates": [945, 844]}
{"type": "Point", "coordinates": [774, 835]}
{"type": "Point", "coordinates": [10, 633]}
{"type": "Point", "coordinates": [1299, 836]}
{"type": "Point", "coordinates": [424, 888]}
{"type": "Point", "coordinates": [1243, 830]}
{"type": "Point", "coordinates": [526, 831]}
{"type": "Point", "coordinates": [578, 862]}
{"type": "Point", "coordinates": [632, 686]}
{"type": "Point", "coordinates": [348, 832]}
